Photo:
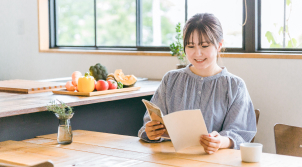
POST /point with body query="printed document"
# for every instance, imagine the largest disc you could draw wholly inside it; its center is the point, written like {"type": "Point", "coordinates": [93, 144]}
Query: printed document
{"type": "Point", "coordinates": [183, 127]}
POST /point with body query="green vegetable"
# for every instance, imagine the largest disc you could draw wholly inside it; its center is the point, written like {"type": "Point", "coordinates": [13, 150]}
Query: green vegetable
{"type": "Point", "coordinates": [119, 85]}
{"type": "Point", "coordinates": [98, 72]}
{"type": "Point", "coordinates": [87, 74]}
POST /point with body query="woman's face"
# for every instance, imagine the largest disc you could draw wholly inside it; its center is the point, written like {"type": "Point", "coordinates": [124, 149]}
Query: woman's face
{"type": "Point", "coordinates": [201, 54]}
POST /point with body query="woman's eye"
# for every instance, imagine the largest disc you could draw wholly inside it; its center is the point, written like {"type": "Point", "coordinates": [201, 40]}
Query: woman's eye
{"type": "Point", "coordinates": [190, 46]}
{"type": "Point", "coordinates": [205, 46]}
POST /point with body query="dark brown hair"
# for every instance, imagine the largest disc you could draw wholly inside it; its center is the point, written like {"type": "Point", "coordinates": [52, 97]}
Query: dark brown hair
{"type": "Point", "coordinates": [206, 25]}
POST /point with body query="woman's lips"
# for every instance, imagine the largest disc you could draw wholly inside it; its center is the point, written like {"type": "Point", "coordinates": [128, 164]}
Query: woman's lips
{"type": "Point", "coordinates": [200, 60]}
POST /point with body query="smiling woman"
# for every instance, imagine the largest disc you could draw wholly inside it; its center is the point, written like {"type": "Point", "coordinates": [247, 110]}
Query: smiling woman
{"type": "Point", "coordinates": [203, 56]}
{"type": "Point", "coordinates": [203, 39]}
{"type": "Point", "coordinates": [221, 96]}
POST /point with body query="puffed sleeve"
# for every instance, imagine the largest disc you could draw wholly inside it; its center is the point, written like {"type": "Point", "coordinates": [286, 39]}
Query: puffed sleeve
{"type": "Point", "coordinates": [159, 99]}
{"type": "Point", "coordinates": [240, 120]}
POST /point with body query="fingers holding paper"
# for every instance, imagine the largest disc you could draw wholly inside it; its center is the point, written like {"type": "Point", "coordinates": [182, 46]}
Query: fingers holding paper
{"type": "Point", "coordinates": [211, 142]}
{"type": "Point", "coordinates": [154, 129]}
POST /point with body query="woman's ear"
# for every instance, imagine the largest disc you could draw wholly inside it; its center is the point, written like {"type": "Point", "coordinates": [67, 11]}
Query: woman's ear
{"type": "Point", "coordinates": [220, 45]}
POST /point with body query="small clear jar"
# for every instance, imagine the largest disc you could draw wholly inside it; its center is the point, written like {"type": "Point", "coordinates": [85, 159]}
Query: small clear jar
{"type": "Point", "coordinates": [64, 129]}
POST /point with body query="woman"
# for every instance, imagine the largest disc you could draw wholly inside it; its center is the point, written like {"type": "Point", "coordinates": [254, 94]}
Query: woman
{"type": "Point", "coordinates": [221, 96]}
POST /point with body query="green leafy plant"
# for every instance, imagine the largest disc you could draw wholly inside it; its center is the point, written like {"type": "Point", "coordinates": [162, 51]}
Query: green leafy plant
{"type": "Point", "coordinates": [292, 42]}
{"type": "Point", "coordinates": [62, 110]}
{"type": "Point", "coordinates": [177, 46]}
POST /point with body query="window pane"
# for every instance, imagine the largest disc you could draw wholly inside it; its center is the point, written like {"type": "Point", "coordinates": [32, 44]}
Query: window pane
{"type": "Point", "coordinates": [277, 33]}
{"type": "Point", "coordinates": [116, 23]}
{"type": "Point", "coordinates": [75, 22]}
{"type": "Point", "coordinates": [159, 19]}
{"type": "Point", "coordinates": [229, 14]}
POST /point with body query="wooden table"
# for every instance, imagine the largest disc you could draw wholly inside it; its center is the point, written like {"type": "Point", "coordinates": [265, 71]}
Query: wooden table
{"type": "Point", "coordinates": [104, 149]}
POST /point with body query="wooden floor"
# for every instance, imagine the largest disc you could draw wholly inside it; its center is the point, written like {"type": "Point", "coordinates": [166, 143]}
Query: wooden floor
{"type": "Point", "coordinates": [105, 149]}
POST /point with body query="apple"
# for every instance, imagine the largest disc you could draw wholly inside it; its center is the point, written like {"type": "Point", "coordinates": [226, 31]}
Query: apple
{"type": "Point", "coordinates": [112, 84]}
{"type": "Point", "coordinates": [102, 85]}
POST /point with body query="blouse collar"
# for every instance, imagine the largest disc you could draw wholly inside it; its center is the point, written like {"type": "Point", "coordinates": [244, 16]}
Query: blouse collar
{"type": "Point", "coordinates": [188, 71]}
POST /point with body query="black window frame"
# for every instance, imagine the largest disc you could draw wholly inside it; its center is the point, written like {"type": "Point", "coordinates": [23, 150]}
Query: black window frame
{"type": "Point", "coordinates": [251, 32]}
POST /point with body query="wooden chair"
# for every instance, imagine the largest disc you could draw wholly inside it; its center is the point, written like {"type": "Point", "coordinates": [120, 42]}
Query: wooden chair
{"type": "Point", "coordinates": [288, 140]}
{"type": "Point", "coordinates": [257, 112]}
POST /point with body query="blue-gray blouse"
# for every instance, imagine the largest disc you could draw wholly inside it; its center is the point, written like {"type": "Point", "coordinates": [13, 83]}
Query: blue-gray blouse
{"type": "Point", "coordinates": [223, 100]}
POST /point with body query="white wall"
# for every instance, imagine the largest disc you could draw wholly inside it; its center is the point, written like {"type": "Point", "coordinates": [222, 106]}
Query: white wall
{"type": "Point", "coordinates": [275, 89]}
{"type": "Point", "coordinates": [274, 84]}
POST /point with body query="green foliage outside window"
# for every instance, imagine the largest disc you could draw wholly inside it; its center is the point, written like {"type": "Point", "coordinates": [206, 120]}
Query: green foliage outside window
{"type": "Point", "coordinates": [292, 42]}
{"type": "Point", "coordinates": [75, 23]}
{"type": "Point", "coordinates": [167, 27]}
{"type": "Point", "coordinates": [116, 23]}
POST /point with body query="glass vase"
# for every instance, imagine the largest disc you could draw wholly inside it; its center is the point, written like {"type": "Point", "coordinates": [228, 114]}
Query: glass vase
{"type": "Point", "coordinates": [64, 129]}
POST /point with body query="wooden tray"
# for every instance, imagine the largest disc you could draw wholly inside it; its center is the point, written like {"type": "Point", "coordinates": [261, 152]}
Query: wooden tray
{"type": "Point", "coordinates": [28, 86]}
{"type": "Point", "coordinates": [95, 93]}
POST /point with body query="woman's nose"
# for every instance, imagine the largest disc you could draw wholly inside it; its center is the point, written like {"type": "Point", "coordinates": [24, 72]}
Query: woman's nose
{"type": "Point", "coordinates": [199, 52]}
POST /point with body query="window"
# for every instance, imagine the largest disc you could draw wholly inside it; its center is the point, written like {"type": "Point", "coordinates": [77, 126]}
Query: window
{"type": "Point", "coordinates": [158, 21]}
{"type": "Point", "coordinates": [116, 23]}
{"type": "Point", "coordinates": [75, 23]}
{"type": "Point", "coordinates": [280, 25]}
{"type": "Point", "coordinates": [135, 24]}
{"type": "Point", "coordinates": [231, 21]}
{"type": "Point", "coordinates": [124, 24]}
{"type": "Point", "coordinates": [149, 25]}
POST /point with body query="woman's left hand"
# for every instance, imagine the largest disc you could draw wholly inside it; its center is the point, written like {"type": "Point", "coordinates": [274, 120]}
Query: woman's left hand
{"type": "Point", "coordinates": [211, 142]}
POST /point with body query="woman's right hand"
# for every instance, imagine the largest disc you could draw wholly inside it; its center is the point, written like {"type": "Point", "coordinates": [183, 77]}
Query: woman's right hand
{"type": "Point", "coordinates": [154, 129]}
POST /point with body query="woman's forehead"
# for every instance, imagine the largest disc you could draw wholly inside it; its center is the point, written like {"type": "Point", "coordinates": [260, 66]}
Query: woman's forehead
{"type": "Point", "coordinates": [198, 37]}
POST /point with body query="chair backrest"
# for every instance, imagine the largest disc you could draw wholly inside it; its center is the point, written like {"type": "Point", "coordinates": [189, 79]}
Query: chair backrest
{"type": "Point", "coordinates": [257, 113]}
{"type": "Point", "coordinates": [288, 140]}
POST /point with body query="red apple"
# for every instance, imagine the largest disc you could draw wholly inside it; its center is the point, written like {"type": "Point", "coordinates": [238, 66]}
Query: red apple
{"type": "Point", "coordinates": [101, 85]}
{"type": "Point", "coordinates": [112, 84]}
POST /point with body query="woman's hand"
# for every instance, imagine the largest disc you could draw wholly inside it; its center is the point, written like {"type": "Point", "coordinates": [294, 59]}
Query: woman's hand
{"type": "Point", "coordinates": [154, 129]}
{"type": "Point", "coordinates": [211, 142]}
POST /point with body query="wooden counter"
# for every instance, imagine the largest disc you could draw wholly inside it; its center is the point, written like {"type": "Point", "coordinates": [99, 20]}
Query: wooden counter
{"type": "Point", "coordinates": [16, 104]}
{"type": "Point", "coordinates": [24, 116]}
{"type": "Point", "coordinates": [106, 149]}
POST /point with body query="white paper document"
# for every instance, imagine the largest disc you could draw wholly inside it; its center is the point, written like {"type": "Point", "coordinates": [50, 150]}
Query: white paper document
{"type": "Point", "coordinates": [184, 127]}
